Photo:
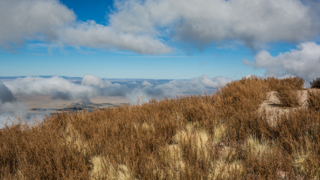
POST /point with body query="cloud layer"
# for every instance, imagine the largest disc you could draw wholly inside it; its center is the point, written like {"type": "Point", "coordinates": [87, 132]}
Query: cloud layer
{"type": "Point", "coordinates": [5, 94]}
{"type": "Point", "coordinates": [303, 61]}
{"type": "Point", "coordinates": [145, 26]}
{"type": "Point", "coordinates": [91, 86]}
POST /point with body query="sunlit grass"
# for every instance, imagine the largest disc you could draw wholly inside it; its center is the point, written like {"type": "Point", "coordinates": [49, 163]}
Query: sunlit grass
{"type": "Point", "coordinates": [218, 136]}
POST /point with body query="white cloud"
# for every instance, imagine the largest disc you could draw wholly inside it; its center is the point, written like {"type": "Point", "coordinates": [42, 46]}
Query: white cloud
{"type": "Point", "coordinates": [215, 82]}
{"type": "Point", "coordinates": [92, 80]}
{"type": "Point", "coordinates": [146, 83]}
{"type": "Point", "coordinates": [141, 26]}
{"type": "Point", "coordinates": [195, 85]}
{"type": "Point", "coordinates": [56, 87]}
{"type": "Point", "coordinates": [5, 94]}
{"type": "Point", "coordinates": [32, 19]}
{"type": "Point", "coordinates": [91, 86]}
{"type": "Point", "coordinates": [52, 22]}
{"type": "Point", "coordinates": [93, 35]}
{"type": "Point", "coordinates": [205, 21]}
{"type": "Point", "coordinates": [303, 61]}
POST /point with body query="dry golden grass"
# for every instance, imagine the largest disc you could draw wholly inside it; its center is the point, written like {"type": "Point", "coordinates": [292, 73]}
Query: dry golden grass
{"type": "Point", "coordinates": [314, 100]}
{"type": "Point", "coordinates": [218, 136]}
{"type": "Point", "coordinates": [288, 97]}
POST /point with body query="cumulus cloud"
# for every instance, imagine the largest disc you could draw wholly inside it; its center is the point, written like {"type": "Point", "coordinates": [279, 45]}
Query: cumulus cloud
{"type": "Point", "coordinates": [51, 21]}
{"type": "Point", "coordinates": [93, 35]}
{"type": "Point", "coordinates": [33, 19]}
{"type": "Point", "coordinates": [207, 21]}
{"type": "Point", "coordinates": [148, 27]}
{"type": "Point", "coordinates": [303, 61]}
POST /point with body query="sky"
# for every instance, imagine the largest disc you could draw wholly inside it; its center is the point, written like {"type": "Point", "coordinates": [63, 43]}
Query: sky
{"type": "Point", "coordinates": [196, 45]}
{"type": "Point", "coordinates": [160, 39]}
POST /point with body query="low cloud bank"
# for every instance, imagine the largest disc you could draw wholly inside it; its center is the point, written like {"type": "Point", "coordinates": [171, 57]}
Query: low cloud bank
{"type": "Point", "coordinates": [304, 61]}
{"type": "Point", "coordinates": [12, 110]}
{"type": "Point", "coordinates": [5, 94]}
{"type": "Point", "coordinates": [90, 87]}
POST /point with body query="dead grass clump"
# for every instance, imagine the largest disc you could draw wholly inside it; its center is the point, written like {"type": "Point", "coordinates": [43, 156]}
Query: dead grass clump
{"type": "Point", "coordinates": [172, 156]}
{"type": "Point", "coordinates": [260, 149]}
{"type": "Point", "coordinates": [193, 138]}
{"type": "Point", "coordinates": [260, 153]}
{"type": "Point", "coordinates": [286, 89]}
{"type": "Point", "coordinates": [288, 97]}
{"type": "Point", "coordinates": [220, 133]}
{"type": "Point", "coordinates": [73, 138]}
{"type": "Point", "coordinates": [306, 162]}
{"type": "Point", "coordinates": [294, 83]}
{"type": "Point", "coordinates": [241, 96]}
{"type": "Point", "coordinates": [314, 100]}
{"type": "Point", "coordinates": [228, 164]}
{"type": "Point", "coordinates": [103, 169]}
{"type": "Point", "coordinates": [222, 170]}
{"type": "Point", "coordinates": [315, 83]}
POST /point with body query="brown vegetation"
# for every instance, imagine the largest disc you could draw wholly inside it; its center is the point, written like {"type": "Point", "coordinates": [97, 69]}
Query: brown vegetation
{"type": "Point", "coordinates": [218, 136]}
{"type": "Point", "coordinates": [286, 90]}
{"type": "Point", "coordinates": [314, 99]}
{"type": "Point", "coordinates": [315, 83]}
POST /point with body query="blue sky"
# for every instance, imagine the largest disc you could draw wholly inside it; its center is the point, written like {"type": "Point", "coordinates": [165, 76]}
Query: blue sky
{"type": "Point", "coordinates": [75, 38]}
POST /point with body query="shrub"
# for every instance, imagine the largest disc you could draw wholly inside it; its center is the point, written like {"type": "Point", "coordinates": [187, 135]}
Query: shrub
{"type": "Point", "coordinates": [288, 97]}
{"type": "Point", "coordinates": [241, 96]}
{"type": "Point", "coordinates": [314, 100]}
{"type": "Point", "coordinates": [275, 84]}
{"type": "Point", "coordinates": [315, 83]}
{"type": "Point", "coordinates": [296, 83]}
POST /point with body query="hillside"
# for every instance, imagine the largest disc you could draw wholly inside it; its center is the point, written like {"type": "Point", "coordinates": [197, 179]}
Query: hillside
{"type": "Point", "coordinates": [254, 128]}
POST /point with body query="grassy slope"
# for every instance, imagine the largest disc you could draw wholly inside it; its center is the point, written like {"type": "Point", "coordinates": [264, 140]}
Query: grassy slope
{"type": "Point", "coordinates": [219, 136]}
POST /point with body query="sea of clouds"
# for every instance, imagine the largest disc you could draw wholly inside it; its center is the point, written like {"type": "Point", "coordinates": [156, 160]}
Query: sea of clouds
{"type": "Point", "coordinates": [91, 87]}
